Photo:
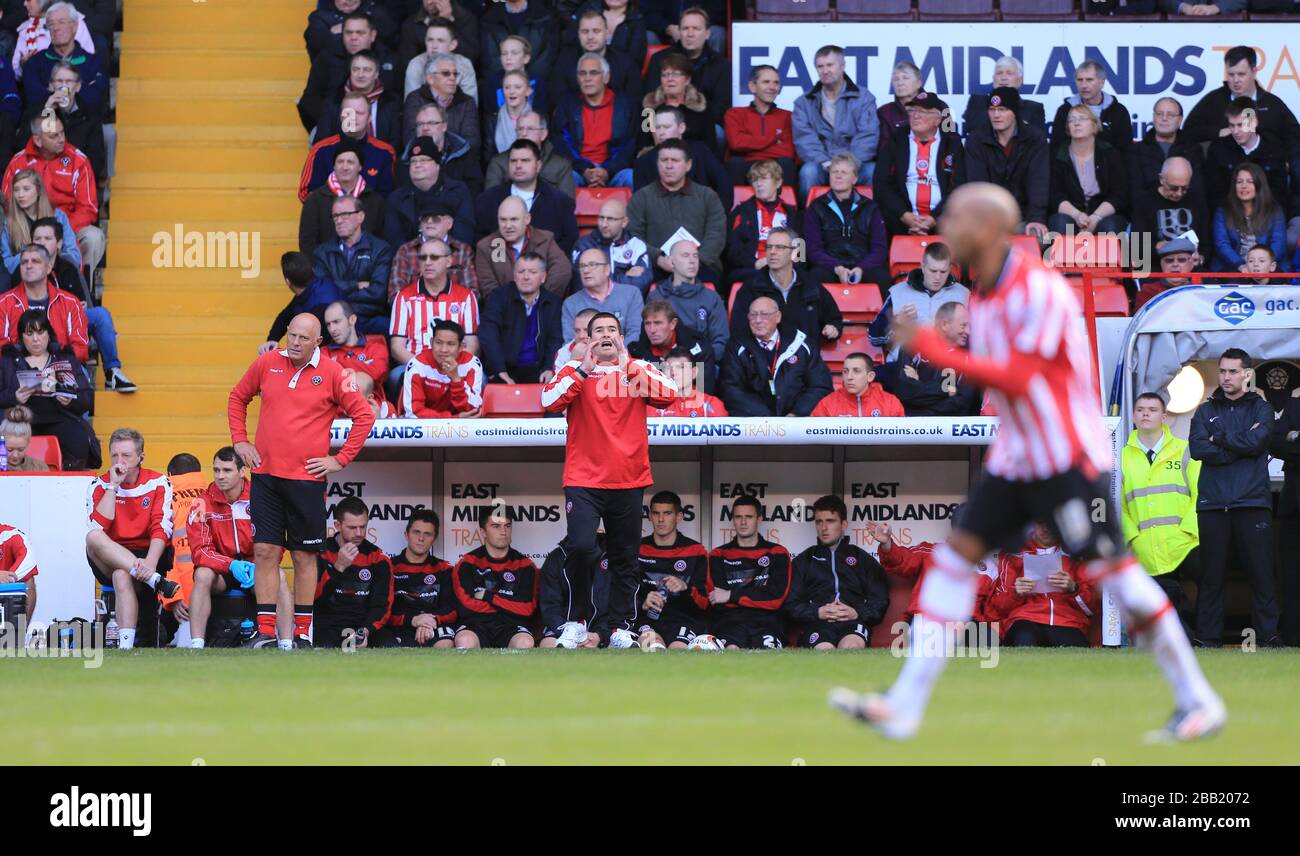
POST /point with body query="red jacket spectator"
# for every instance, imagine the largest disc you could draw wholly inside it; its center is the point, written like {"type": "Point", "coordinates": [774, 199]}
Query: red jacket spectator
{"type": "Point", "coordinates": [15, 556]}
{"type": "Point", "coordinates": [369, 356]}
{"type": "Point", "coordinates": [874, 402]}
{"type": "Point", "coordinates": [699, 404]}
{"type": "Point", "coordinates": [143, 510]}
{"type": "Point", "coordinates": [427, 393]}
{"type": "Point", "coordinates": [69, 181]}
{"type": "Point", "coordinates": [1056, 609]}
{"type": "Point", "coordinates": [220, 531]}
{"type": "Point", "coordinates": [758, 136]}
{"type": "Point", "coordinates": [912, 563]}
{"type": "Point", "coordinates": [64, 311]}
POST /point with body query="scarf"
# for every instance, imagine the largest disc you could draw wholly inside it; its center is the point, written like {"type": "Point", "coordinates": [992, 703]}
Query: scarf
{"type": "Point", "coordinates": [336, 189]}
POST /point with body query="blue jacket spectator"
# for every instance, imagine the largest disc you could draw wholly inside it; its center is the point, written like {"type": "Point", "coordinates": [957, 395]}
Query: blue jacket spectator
{"type": "Point", "coordinates": [368, 261]}
{"type": "Point", "coordinates": [1228, 255]}
{"type": "Point", "coordinates": [567, 128]}
{"type": "Point", "coordinates": [376, 166]}
{"type": "Point", "coordinates": [698, 308]}
{"type": "Point", "coordinates": [401, 223]}
{"type": "Point", "coordinates": [315, 298]}
{"type": "Point", "coordinates": [11, 105]}
{"type": "Point", "coordinates": [94, 83]}
{"type": "Point", "coordinates": [319, 37]}
{"type": "Point", "coordinates": [517, 342]}
{"type": "Point", "coordinates": [856, 129]}
{"type": "Point", "coordinates": [625, 253]}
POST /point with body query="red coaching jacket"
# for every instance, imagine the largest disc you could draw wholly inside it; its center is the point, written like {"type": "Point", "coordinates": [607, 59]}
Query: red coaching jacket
{"type": "Point", "coordinates": [427, 393]}
{"type": "Point", "coordinates": [66, 315]}
{"type": "Point", "coordinates": [298, 408]}
{"type": "Point", "coordinates": [69, 181]}
{"type": "Point", "coordinates": [913, 563]}
{"type": "Point", "coordinates": [143, 510]}
{"type": "Point", "coordinates": [220, 531]}
{"type": "Point", "coordinates": [607, 445]}
{"type": "Point", "coordinates": [874, 402]}
{"type": "Point", "coordinates": [15, 556]}
{"type": "Point", "coordinates": [1057, 609]}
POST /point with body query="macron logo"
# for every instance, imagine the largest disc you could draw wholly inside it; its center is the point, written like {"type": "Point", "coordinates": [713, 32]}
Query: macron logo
{"type": "Point", "coordinates": [74, 809]}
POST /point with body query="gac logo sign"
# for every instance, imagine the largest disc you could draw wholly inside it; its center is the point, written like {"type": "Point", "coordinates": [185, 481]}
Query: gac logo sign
{"type": "Point", "coordinates": [1234, 307]}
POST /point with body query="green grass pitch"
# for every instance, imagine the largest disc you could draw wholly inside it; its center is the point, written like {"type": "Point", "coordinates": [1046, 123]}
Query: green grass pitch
{"type": "Point", "coordinates": [566, 707]}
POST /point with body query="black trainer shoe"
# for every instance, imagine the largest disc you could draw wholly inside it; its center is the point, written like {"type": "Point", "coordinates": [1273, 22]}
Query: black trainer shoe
{"type": "Point", "coordinates": [302, 641]}
{"type": "Point", "coordinates": [261, 640]}
{"type": "Point", "coordinates": [115, 381]}
{"type": "Point", "coordinates": [168, 588]}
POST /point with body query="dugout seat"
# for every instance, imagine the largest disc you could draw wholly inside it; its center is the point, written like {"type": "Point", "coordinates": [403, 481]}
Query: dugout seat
{"type": "Point", "coordinates": [512, 401]}
{"type": "Point", "coordinates": [45, 447]}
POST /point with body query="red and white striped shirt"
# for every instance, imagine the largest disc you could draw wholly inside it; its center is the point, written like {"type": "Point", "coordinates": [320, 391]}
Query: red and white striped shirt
{"type": "Point", "coordinates": [15, 556]}
{"type": "Point", "coordinates": [414, 312]}
{"type": "Point", "coordinates": [1028, 346]}
{"type": "Point", "coordinates": [142, 509]}
{"type": "Point", "coordinates": [428, 393]}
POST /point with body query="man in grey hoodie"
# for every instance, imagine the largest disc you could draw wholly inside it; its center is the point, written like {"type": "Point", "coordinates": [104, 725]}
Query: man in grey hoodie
{"type": "Point", "coordinates": [1116, 123]}
{"type": "Point", "coordinates": [697, 306]}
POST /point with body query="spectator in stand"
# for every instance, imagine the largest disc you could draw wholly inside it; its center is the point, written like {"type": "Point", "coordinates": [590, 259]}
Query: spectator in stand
{"type": "Point", "coordinates": [351, 349]}
{"type": "Point", "coordinates": [918, 170]}
{"type": "Point", "coordinates": [602, 293]}
{"type": "Point", "coordinates": [1013, 154]}
{"type": "Point", "coordinates": [454, 156]}
{"type": "Point", "coordinates": [928, 391]}
{"type": "Point", "coordinates": [1164, 140]}
{"type": "Point", "coordinates": [377, 157]}
{"type": "Point", "coordinates": [1203, 10]}
{"type": "Point", "coordinates": [1248, 216]}
{"type": "Point", "coordinates": [1244, 144]}
{"type": "Point", "coordinates": [1113, 123]}
{"type": "Point", "coordinates": [434, 297]}
{"type": "Point", "coordinates": [674, 203]}
{"type": "Point", "coordinates": [28, 203]}
{"type": "Point", "coordinates": [709, 71]}
{"type": "Point", "coordinates": [16, 432]}
{"type": "Point", "coordinates": [592, 35]}
{"type": "Point", "coordinates": [684, 368]}
{"type": "Point", "coordinates": [378, 405]}
{"type": "Point", "coordinates": [1230, 436]}
{"type": "Point", "coordinates": [557, 168]}
{"type": "Point", "coordinates": [861, 395]}
{"type": "Point", "coordinates": [330, 70]}
{"type": "Point", "coordinates": [669, 123]}
{"type": "Point", "coordinates": [41, 374]}
{"type": "Point", "coordinates": [496, 588]}
{"type": "Point", "coordinates": [697, 306]}
{"type": "Point", "coordinates": [423, 613]}
{"type": "Point", "coordinates": [627, 27]}
{"type": "Point", "coordinates": [383, 115]}
{"type": "Point", "coordinates": [926, 289]}
{"type": "Point", "coordinates": [521, 332]}
{"type": "Point", "coordinates": [84, 127]}
{"type": "Point", "coordinates": [444, 380]}
{"type": "Point", "coordinates": [628, 257]}
{"type": "Point", "coordinates": [461, 24]}
{"type": "Point", "coordinates": [316, 223]}
{"type": "Point", "coordinates": [1053, 612]}
{"type": "Point", "coordinates": [1159, 480]}
{"type": "Point", "coordinates": [1208, 121]}
{"type": "Point", "coordinates": [324, 33]}
{"type": "Point", "coordinates": [768, 373]}
{"type": "Point", "coordinates": [1173, 207]}
{"type": "Point", "coordinates": [1090, 187]}
{"type": "Point", "coordinates": [1176, 256]}
{"type": "Point", "coordinates": [516, 55]}
{"type": "Point", "coordinates": [1008, 73]}
{"type": "Point", "coordinates": [761, 132]}
{"type": "Point", "coordinates": [749, 581]}
{"type": "Point", "coordinates": [427, 184]}
{"type": "Point", "coordinates": [676, 90]}
{"type": "Point", "coordinates": [34, 35]}
{"type": "Point", "coordinates": [354, 586]}
{"type": "Point", "coordinates": [597, 128]}
{"type": "Point", "coordinates": [499, 121]}
{"type": "Point", "coordinates": [63, 21]}
{"type": "Point", "coordinates": [844, 230]}
{"type": "Point", "coordinates": [129, 510]}
{"type": "Point", "coordinates": [905, 83]}
{"type": "Point", "coordinates": [662, 333]}
{"type": "Point", "coordinates": [357, 263]}
{"type": "Point", "coordinates": [753, 220]}
{"type": "Point", "coordinates": [805, 304]}
{"type": "Point", "coordinates": [836, 116]}
{"type": "Point", "coordinates": [441, 88]}
{"type": "Point", "coordinates": [436, 221]}
{"type": "Point", "coordinates": [69, 180]}
{"type": "Point", "coordinates": [34, 291]}
{"type": "Point", "coordinates": [548, 208]}
{"type": "Point", "coordinates": [310, 294]}
{"type": "Point", "coordinates": [1259, 260]}
{"type": "Point", "coordinates": [439, 37]}
{"type": "Point", "coordinates": [11, 110]}
{"type": "Point", "coordinates": [533, 22]}
{"type": "Point", "coordinates": [838, 590]}
{"type": "Point", "coordinates": [494, 256]}
{"type": "Point", "coordinates": [576, 348]}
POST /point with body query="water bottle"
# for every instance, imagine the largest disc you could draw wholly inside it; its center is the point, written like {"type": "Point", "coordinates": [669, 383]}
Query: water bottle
{"type": "Point", "coordinates": [653, 614]}
{"type": "Point", "coordinates": [247, 629]}
{"type": "Point", "coordinates": [4, 456]}
{"type": "Point", "coordinates": [110, 632]}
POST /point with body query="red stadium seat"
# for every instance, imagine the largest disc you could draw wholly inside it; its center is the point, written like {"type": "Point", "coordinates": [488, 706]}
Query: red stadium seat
{"type": "Point", "coordinates": [731, 298]}
{"type": "Point", "coordinates": [821, 190]}
{"type": "Point", "coordinates": [792, 10]}
{"type": "Point", "coordinates": [588, 200]}
{"type": "Point", "coordinates": [503, 400]}
{"type": "Point", "coordinates": [46, 448]}
{"type": "Point", "coordinates": [853, 339]}
{"type": "Point", "coordinates": [1108, 296]}
{"type": "Point", "coordinates": [650, 50]}
{"type": "Point", "coordinates": [743, 192]}
{"type": "Point", "coordinates": [1028, 243]}
{"type": "Point", "coordinates": [859, 303]}
{"type": "Point", "coordinates": [1080, 251]}
{"type": "Point", "coordinates": [874, 10]}
{"type": "Point", "coordinates": [905, 253]}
